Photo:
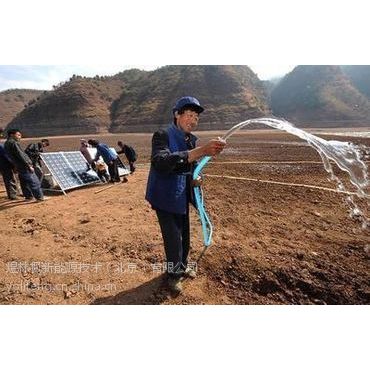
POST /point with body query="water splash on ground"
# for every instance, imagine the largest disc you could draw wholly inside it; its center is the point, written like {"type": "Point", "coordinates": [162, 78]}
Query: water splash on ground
{"type": "Point", "coordinates": [345, 155]}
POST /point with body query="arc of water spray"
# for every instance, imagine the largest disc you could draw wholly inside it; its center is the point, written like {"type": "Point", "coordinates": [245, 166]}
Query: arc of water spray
{"type": "Point", "coordinates": [345, 155]}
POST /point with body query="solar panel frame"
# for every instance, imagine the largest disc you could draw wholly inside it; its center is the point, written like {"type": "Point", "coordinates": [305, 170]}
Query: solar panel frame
{"type": "Point", "coordinates": [82, 167]}
{"type": "Point", "coordinates": [69, 173]}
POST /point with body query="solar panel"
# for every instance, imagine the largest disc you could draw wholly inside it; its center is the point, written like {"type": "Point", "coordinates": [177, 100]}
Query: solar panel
{"type": "Point", "coordinates": [81, 167]}
{"type": "Point", "coordinates": [69, 169]}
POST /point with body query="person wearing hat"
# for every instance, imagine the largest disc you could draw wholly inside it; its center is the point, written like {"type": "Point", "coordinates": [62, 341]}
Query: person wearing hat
{"type": "Point", "coordinates": [169, 188]}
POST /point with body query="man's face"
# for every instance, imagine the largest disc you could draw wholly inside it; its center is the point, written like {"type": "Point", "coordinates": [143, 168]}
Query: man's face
{"type": "Point", "coordinates": [17, 136]}
{"type": "Point", "coordinates": [187, 121]}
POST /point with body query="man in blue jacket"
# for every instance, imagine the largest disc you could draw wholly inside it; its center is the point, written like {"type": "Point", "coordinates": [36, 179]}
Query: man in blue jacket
{"type": "Point", "coordinates": [169, 188]}
{"type": "Point", "coordinates": [109, 157]}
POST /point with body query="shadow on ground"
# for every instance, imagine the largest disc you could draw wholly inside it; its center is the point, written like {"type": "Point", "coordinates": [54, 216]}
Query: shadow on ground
{"type": "Point", "coordinates": [151, 292]}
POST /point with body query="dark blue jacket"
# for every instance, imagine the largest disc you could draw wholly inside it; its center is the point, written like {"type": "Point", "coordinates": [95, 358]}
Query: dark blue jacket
{"type": "Point", "coordinates": [18, 157]}
{"type": "Point", "coordinates": [5, 162]}
{"type": "Point", "coordinates": [168, 187]}
{"type": "Point", "coordinates": [106, 153]}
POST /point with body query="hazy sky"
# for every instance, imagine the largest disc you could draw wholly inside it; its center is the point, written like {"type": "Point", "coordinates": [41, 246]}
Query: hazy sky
{"type": "Point", "coordinates": [43, 77]}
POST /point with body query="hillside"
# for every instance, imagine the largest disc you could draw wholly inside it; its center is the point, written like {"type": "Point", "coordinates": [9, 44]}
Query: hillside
{"type": "Point", "coordinates": [13, 101]}
{"type": "Point", "coordinates": [360, 77]}
{"type": "Point", "coordinates": [320, 95]}
{"type": "Point", "coordinates": [139, 101]}
{"type": "Point", "coordinates": [229, 93]}
{"type": "Point", "coordinates": [81, 105]}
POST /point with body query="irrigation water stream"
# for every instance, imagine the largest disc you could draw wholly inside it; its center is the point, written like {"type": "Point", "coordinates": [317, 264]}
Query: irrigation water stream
{"type": "Point", "coordinates": [346, 155]}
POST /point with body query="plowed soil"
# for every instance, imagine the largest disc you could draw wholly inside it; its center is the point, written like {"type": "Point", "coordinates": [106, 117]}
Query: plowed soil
{"type": "Point", "coordinates": [275, 241]}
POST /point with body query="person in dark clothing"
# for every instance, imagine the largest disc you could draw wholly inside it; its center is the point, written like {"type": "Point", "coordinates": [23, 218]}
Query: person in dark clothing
{"type": "Point", "coordinates": [30, 183]}
{"type": "Point", "coordinates": [169, 187]}
{"type": "Point", "coordinates": [110, 158]}
{"type": "Point", "coordinates": [130, 154]}
{"type": "Point", "coordinates": [33, 150]}
{"type": "Point", "coordinates": [7, 172]}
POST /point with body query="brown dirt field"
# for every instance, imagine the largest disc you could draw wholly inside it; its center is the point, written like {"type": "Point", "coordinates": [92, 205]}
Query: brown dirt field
{"type": "Point", "coordinates": [273, 243]}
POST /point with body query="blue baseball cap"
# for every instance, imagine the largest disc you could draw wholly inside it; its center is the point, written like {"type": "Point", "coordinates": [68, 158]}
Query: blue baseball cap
{"type": "Point", "coordinates": [187, 100]}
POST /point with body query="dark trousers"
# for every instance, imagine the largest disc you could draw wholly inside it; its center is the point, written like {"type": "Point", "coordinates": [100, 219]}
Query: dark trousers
{"type": "Point", "coordinates": [38, 171]}
{"type": "Point", "coordinates": [9, 182]}
{"type": "Point", "coordinates": [113, 171]}
{"type": "Point", "coordinates": [103, 175]}
{"type": "Point", "coordinates": [132, 167]}
{"type": "Point", "coordinates": [176, 237]}
{"type": "Point", "coordinates": [30, 185]}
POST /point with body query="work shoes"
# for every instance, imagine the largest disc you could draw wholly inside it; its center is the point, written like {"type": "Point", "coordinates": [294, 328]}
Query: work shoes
{"type": "Point", "coordinates": [42, 199]}
{"type": "Point", "coordinates": [175, 285]}
{"type": "Point", "coordinates": [190, 273]}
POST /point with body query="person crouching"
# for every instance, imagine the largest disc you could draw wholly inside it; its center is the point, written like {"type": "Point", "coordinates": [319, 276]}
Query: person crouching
{"type": "Point", "coordinates": [109, 157]}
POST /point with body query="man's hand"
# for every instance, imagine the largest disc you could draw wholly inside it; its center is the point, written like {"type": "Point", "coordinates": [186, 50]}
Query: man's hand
{"type": "Point", "coordinates": [31, 168]}
{"type": "Point", "coordinates": [197, 182]}
{"type": "Point", "coordinates": [212, 148]}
